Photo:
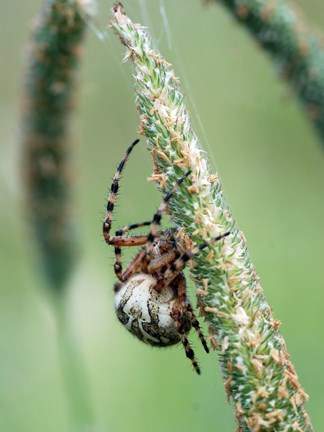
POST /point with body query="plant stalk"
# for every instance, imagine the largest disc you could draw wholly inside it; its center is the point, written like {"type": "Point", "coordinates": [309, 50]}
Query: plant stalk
{"type": "Point", "coordinates": [258, 374]}
{"type": "Point", "coordinates": [73, 372]}
{"type": "Point", "coordinates": [296, 48]}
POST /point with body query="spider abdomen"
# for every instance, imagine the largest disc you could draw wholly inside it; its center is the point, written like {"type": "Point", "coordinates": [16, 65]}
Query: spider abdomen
{"type": "Point", "coordinates": [147, 313]}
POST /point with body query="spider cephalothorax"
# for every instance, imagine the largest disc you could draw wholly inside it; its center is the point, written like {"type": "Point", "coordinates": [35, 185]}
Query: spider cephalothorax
{"type": "Point", "coordinates": [151, 295]}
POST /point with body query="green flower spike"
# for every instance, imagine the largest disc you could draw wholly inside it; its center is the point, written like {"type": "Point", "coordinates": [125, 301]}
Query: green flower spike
{"type": "Point", "coordinates": [52, 60]}
{"type": "Point", "coordinates": [258, 373]}
{"type": "Point", "coordinates": [296, 49]}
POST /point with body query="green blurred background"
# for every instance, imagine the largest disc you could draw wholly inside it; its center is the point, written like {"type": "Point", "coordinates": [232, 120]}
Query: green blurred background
{"type": "Point", "coordinates": [271, 164]}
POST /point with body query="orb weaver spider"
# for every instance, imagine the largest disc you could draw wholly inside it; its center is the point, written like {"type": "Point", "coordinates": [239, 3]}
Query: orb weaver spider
{"type": "Point", "coordinates": [151, 295]}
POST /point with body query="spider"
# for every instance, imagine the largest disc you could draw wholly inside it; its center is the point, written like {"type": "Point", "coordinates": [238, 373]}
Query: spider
{"type": "Point", "coordinates": [151, 295]}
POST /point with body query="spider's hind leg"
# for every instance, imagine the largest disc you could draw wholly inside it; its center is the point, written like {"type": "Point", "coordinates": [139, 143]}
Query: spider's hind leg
{"type": "Point", "coordinates": [189, 352]}
{"type": "Point", "coordinates": [181, 311]}
{"type": "Point", "coordinates": [196, 326]}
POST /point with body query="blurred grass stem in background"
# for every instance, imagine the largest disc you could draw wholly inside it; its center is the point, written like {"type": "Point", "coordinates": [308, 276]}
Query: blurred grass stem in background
{"type": "Point", "coordinates": [74, 375]}
{"type": "Point", "coordinates": [50, 82]}
{"type": "Point", "coordinates": [295, 47]}
{"type": "Point", "coordinates": [257, 370]}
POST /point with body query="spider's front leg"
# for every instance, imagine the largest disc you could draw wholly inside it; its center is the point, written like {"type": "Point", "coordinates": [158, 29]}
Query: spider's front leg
{"type": "Point", "coordinates": [113, 194]}
{"type": "Point", "coordinates": [119, 241]}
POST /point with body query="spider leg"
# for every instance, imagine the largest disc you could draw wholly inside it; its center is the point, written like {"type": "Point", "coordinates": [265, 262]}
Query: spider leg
{"type": "Point", "coordinates": [113, 194]}
{"type": "Point", "coordinates": [136, 240]}
{"type": "Point", "coordinates": [118, 267]}
{"type": "Point", "coordinates": [155, 266]}
{"type": "Point", "coordinates": [127, 228]}
{"type": "Point", "coordinates": [179, 310]}
{"type": "Point", "coordinates": [182, 295]}
{"type": "Point", "coordinates": [196, 326]}
{"type": "Point", "coordinates": [189, 351]}
{"type": "Point", "coordinates": [135, 266]}
{"type": "Point", "coordinates": [137, 263]}
{"type": "Point", "coordinates": [178, 265]}
{"type": "Point", "coordinates": [162, 261]}
{"type": "Point", "coordinates": [158, 216]}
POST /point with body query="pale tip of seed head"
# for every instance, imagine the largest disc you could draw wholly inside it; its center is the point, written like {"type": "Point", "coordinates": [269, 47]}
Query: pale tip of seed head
{"type": "Point", "coordinates": [90, 7]}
